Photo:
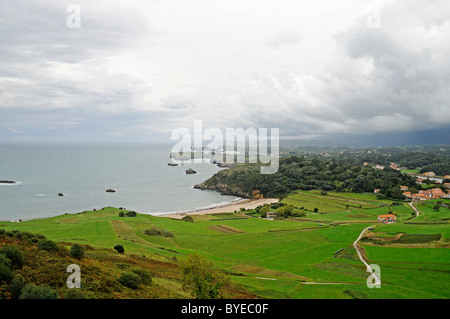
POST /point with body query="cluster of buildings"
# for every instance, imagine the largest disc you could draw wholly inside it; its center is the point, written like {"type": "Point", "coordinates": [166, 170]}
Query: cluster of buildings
{"type": "Point", "coordinates": [433, 193]}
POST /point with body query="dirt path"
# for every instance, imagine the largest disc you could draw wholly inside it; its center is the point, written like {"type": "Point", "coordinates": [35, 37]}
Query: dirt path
{"type": "Point", "coordinates": [355, 245]}
{"type": "Point", "coordinates": [415, 209]}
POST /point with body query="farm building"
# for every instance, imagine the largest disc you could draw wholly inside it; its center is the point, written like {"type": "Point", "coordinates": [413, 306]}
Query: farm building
{"type": "Point", "coordinates": [271, 215]}
{"type": "Point", "coordinates": [389, 218]}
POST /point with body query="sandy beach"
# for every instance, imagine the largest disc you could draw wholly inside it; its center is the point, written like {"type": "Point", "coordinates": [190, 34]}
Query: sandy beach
{"type": "Point", "coordinates": [246, 203]}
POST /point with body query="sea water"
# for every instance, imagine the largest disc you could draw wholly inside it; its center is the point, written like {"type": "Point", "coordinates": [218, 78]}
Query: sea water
{"type": "Point", "coordinates": [83, 172]}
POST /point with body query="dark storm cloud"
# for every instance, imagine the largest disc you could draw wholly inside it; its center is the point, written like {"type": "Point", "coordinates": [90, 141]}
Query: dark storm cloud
{"type": "Point", "coordinates": [387, 79]}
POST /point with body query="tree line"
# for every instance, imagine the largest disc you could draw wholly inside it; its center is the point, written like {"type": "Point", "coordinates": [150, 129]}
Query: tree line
{"type": "Point", "coordinates": [298, 172]}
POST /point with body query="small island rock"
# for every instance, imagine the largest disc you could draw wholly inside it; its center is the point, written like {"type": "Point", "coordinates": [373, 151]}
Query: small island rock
{"type": "Point", "coordinates": [190, 171]}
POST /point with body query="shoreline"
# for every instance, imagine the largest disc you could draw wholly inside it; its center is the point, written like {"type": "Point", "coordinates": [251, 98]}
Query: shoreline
{"type": "Point", "coordinates": [226, 208]}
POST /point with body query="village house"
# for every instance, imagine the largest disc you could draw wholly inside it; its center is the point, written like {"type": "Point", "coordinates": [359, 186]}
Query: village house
{"type": "Point", "coordinates": [419, 181]}
{"type": "Point", "coordinates": [446, 177]}
{"type": "Point", "coordinates": [419, 197]}
{"type": "Point", "coordinates": [379, 167]}
{"type": "Point", "coordinates": [404, 188]}
{"type": "Point", "coordinates": [393, 166]}
{"type": "Point", "coordinates": [389, 218]}
{"type": "Point", "coordinates": [271, 215]}
{"type": "Point", "coordinates": [376, 190]}
{"type": "Point", "coordinates": [447, 185]}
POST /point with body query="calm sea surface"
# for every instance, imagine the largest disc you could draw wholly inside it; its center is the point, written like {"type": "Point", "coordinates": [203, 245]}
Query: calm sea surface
{"type": "Point", "coordinates": [139, 173]}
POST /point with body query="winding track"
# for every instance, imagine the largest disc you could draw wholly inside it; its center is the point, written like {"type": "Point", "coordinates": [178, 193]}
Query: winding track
{"type": "Point", "coordinates": [355, 245]}
{"type": "Point", "coordinates": [415, 209]}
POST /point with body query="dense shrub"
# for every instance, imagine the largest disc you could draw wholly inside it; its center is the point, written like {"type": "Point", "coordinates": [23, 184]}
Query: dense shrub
{"type": "Point", "coordinates": [121, 214]}
{"type": "Point", "coordinates": [13, 254]}
{"type": "Point", "coordinates": [40, 236]}
{"type": "Point", "coordinates": [188, 219]}
{"type": "Point", "coordinates": [131, 214]}
{"type": "Point", "coordinates": [146, 278]}
{"type": "Point", "coordinates": [48, 245]}
{"type": "Point", "coordinates": [31, 291]}
{"type": "Point", "coordinates": [77, 251]}
{"type": "Point", "coordinates": [6, 274]}
{"type": "Point", "coordinates": [130, 279]}
{"type": "Point", "coordinates": [17, 285]}
{"type": "Point", "coordinates": [5, 260]}
{"type": "Point", "coordinates": [158, 232]}
{"type": "Point", "coordinates": [119, 249]}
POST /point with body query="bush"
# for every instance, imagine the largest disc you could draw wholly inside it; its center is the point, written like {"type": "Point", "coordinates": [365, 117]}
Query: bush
{"type": "Point", "coordinates": [17, 285]}
{"type": "Point", "coordinates": [299, 214]}
{"type": "Point", "coordinates": [13, 254]}
{"type": "Point", "coordinates": [119, 249]}
{"type": "Point", "coordinates": [130, 279]}
{"type": "Point", "coordinates": [39, 236]}
{"type": "Point", "coordinates": [121, 214]}
{"type": "Point", "coordinates": [31, 291]}
{"type": "Point", "coordinates": [146, 278]}
{"type": "Point", "coordinates": [202, 279]}
{"type": "Point", "coordinates": [5, 261]}
{"type": "Point", "coordinates": [77, 251]}
{"type": "Point", "coordinates": [158, 232]}
{"type": "Point", "coordinates": [6, 274]}
{"type": "Point", "coordinates": [48, 245]}
{"type": "Point", "coordinates": [131, 214]}
{"type": "Point", "coordinates": [188, 219]}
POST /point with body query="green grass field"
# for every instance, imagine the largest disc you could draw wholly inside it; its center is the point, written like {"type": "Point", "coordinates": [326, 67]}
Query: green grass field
{"type": "Point", "coordinates": [410, 171]}
{"type": "Point", "coordinates": [283, 258]}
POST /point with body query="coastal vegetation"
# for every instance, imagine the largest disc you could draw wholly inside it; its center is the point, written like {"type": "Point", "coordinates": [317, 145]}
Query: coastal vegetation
{"type": "Point", "coordinates": [299, 172]}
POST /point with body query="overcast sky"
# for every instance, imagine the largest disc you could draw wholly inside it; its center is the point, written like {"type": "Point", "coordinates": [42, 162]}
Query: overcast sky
{"type": "Point", "coordinates": [136, 70]}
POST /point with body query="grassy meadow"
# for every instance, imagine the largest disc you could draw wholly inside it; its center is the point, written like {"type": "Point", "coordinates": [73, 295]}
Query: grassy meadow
{"type": "Point", "coordinates": [286, 257]}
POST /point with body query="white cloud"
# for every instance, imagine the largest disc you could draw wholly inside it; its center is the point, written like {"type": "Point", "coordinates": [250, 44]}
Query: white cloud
{"type": "Point", "coordinates": [15, 131]}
